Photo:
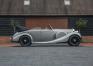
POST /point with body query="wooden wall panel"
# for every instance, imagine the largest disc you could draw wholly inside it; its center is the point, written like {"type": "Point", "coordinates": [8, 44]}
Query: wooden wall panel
{"type": "Point", "coordinates": [46, 7]}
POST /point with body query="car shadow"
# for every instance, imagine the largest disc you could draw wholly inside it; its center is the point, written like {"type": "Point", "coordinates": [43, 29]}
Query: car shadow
{"type": "Point", "coordinates": [49, 45]}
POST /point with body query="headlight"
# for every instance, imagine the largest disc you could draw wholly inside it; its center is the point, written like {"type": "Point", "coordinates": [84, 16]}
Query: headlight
{"type": "Point", "coordinates": [73, 30]}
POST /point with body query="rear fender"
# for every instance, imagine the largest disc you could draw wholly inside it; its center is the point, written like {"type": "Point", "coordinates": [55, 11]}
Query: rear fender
{"type": "Point", "coordinates": [17, 37]}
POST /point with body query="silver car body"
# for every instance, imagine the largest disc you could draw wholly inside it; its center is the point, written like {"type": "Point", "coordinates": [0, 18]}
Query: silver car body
{"type": "Point", "coordinates": [46, 35]}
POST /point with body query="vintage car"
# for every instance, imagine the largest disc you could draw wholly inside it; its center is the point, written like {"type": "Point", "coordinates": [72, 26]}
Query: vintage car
{"type": "Point", "coordinates": [48, 35]}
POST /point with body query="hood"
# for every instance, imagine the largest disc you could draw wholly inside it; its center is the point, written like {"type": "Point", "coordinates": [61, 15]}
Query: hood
{"type": "Point", "coordinates": [65, 30]}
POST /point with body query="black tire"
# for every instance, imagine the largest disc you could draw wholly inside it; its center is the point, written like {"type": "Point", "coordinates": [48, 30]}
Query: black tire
{"type": "Point", "coordinates": [25, 41]}
{"type": "Point", "coordinates": [74, 40]}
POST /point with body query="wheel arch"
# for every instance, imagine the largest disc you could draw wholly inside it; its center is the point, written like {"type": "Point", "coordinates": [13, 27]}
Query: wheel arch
{"type": "Point", "coordinates": [73, 35]}
{"type": "Point", "coordinates": [24, 35]}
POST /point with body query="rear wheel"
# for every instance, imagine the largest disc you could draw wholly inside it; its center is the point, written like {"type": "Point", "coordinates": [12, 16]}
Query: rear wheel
{"type": "Point", "coordinates": [74, 40]}
{"type": "Point", "coordinates": [25, 41]}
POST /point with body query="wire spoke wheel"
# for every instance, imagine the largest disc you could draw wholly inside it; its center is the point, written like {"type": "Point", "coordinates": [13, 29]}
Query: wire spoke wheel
{"type": "Point", "coordinates": [25, 40]}
{"type": "Point", "coordinates": [74, 40]}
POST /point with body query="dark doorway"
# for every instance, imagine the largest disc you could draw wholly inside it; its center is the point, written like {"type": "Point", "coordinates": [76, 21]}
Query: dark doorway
{"type": "Point", "coordinates": [88, 30]}
{"type": "Point", "coordinates": [5, 25]}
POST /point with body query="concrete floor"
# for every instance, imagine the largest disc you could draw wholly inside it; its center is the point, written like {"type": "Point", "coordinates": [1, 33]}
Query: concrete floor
{"type": "Point", "coordinates": [46, 56]}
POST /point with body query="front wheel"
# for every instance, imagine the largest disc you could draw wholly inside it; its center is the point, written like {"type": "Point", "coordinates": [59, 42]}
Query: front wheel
{"type": "Point", "coordinates": [25, 41]}
{"type": "Point", "coordinates": [74, 40]}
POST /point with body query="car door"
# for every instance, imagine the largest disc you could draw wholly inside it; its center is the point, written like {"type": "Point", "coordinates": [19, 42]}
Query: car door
{"type": "Point", "coordinates": [47, 35]}
{"type": "Point", "coordinates": [36, 35]}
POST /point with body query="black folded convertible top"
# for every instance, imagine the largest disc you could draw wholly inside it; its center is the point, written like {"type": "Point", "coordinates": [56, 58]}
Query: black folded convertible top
{"type": "Point", "coordinates": [20, 28]}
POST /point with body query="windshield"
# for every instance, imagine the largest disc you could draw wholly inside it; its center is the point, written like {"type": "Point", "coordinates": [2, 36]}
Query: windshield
{"type": "Point", "coordinates": [46, 27]}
